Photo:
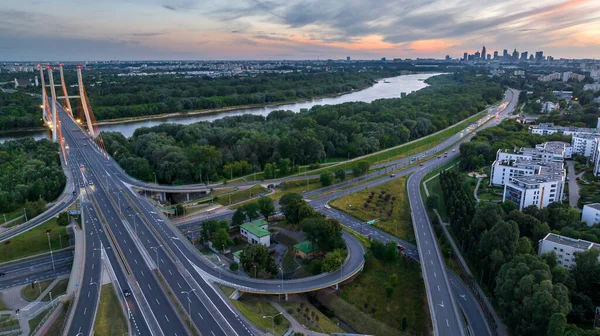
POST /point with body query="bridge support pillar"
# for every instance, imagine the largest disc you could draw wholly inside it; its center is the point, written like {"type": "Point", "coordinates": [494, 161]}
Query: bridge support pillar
{"type": "Point", "coordinates": [337, 286]}
{"type": "Point", "coordinates": [286, 297]}
{"type": "Point", "coordinates": [188, 196]}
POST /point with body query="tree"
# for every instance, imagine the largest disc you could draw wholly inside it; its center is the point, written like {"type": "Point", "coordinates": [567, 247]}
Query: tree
{"type": "Point", "coordinates": [389, 290]}
{"type": "Point", "coordinates": [340, 174]}
{"type": "Point", "coordinates": [239, 216]}
{"type": "Point", "coordinates": [210, 227]}
{"type": "Point", "coordinates": [526, 296]}
{"type": "Point", "coordinates": [179, 210]}
{"type": "Point", "coordinates": [557, 325]}
{"type": "Point", "coordinates": [393, 280]}
{"type": "Point", "coordinates": [266, 207]}
{"type": "Point", "coordinates": [334, 260]}
{"type": "Point", "coordinates": [234, 266]}
{"type": "Point", "coordinates": [298, 210]}
{"type": "Point", "coordinates": [325, 232]}
{"type": "Point", "coordinates": [287, 199]}
{"type": "Point", "coordinates": [586, 273]}
{"type": "Point", "coordinates": [252, 210]}
{"type": "Point", "coordinates": [269, 171]}
{"type": "Point", "coordinates": [360, 168]}
{"type": "Point", "coordinates": [63, 219]}
{"type": "Point", "coordinates": [221, 240]}
{"type": "Point", "coordinates": [255, 259]}
{"type": "Point", "coordinates": [404, 323]}
{"type": "Point", "coordinates": [277, 319]}
{"type": "Point", "coordinates": [524, 246]}
{"type": "Point", "coordinates": [326, 179]}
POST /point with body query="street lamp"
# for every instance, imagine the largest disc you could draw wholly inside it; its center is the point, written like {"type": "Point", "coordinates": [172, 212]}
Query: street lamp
{"type": "Point", "coordinates": [189, 304]}
{"type": "Point", "coordinates": [51, 255]}
{"type": "Point", "coordinates": [39, 286]}
{"type": "Point", "coordinates": [281, 290]}
{"type": "Point", "coordinates": [155, 248]}
{"type": "Point", "coordinates": [272, 321]}
{"type": "Point", "coordinates": [218, 271]}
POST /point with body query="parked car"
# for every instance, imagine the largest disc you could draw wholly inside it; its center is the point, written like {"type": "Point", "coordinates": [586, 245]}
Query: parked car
{"type": "Point", "coordinates": [126, 292]}
{"type": "Point", "coordinates": [392, 175]}
{"type": "Point", "coordinates": [420, 164]}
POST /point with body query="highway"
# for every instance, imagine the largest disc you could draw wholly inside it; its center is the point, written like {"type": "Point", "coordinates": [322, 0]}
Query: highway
{"type": "Point", "coordinates": [21, 272]}
{"type": "Point", "coordinates": [137, 227]}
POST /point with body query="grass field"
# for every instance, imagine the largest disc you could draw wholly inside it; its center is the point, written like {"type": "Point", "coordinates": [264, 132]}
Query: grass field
{"type": "Point", "coordinates": [309, 316]}
{"type": "Point", "coordinates": [109, 317]}
{"type": "Point", "coordinates": [8, 322]}
{"type": "Point", "coordinates": [296, 187]}
{"type": "Point", "coordinates": [11, 215]}
{"type": "Point", "coordinates": [226, 290]}
{"type": "Point", "coordinates": [56, 327]}
{"type": "Point", "coordinates": [241, 195]}
{"type": "Point", "coordinates": [3, 305]}
{"type": "Point", "coordinates": [33, 323]}
{"type": "Point", "coordinates": [34, 241]}
{"type": "Point", "coordinates": [31, 292]}
{"type": "Point", "coordinates": [367, 293]}
{"type": "Point", "coordinates": [255, 307]}
{"type": "Point", "coordinates": [398, 224]}
{"type": "Point", "coordinates": [59, 289]}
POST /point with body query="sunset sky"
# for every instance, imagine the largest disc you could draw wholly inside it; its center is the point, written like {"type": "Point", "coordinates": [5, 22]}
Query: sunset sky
{"type": "Point", "coordinates": [293, 29]}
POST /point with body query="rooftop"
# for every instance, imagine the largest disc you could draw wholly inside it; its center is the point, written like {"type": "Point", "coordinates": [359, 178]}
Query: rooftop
{"type": "Point", "coordinates": [534, 179]}
{"type": "Point", "coordinates": [576, 243]}
{"type": "Point", "coordinates": [593, 206]}
{"type": "Point", "coordinates": [306, 246]}
{"type": "Point", "coordinates": [255, 228]}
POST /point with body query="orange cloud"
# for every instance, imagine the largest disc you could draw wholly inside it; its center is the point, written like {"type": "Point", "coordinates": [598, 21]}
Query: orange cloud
{"type": "Point", "coordinates": [431, 46]}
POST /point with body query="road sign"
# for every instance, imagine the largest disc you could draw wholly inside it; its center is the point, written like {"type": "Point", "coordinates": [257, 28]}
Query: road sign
{"type": "Point", "coordinates": [373, 221]}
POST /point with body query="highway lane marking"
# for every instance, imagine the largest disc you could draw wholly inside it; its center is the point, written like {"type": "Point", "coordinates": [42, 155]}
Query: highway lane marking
{"type": "Point", "coordinates": [447, 324]}
{"type": "Point", "coordinates": [201, 316]}
{"type": "Point", "coordinates": [434, 275]}
{"type": "Point", "coordinates": [158, 303]}
{"type": "Point", "coordinates": [142, 273]}
{"type": "Point", "coordinates": [88, 293]}
{"type": "Point", "coordinates": [84, 311]}
{"type": "Point", "coordinates": [135, 261]}
{"type": "Point", "coordinates": [178, 285]}
{"type": "Point", "coordinates": [212, 333]}
{"type": "Point", "coordinates": [439, 290]}
{"type": "Point", "coordinates": [170, 272]}
{"type": "Point", "coordinates": [149, 286]}
{"type": "Point", "coordinates": [167, 318]}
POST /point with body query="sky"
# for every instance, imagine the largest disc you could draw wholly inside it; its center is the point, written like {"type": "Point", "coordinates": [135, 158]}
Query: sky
{"type": "Point", "coordinates": [78, 30]}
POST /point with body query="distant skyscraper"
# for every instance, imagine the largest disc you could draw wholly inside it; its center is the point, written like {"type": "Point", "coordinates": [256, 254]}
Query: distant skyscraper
{"type": "Point", "coordinates": [539, 55]}
{"type": "Point", "coordinates": [489, 57]}
{"type": "Point", "coordinates": [477, 55]}
{"type": "Point", "coordinates": [483, 53]}
{"type": "Point", "coordinates": [531, 57]}
{"type": "Point", "coordinates": [524, 56]}
{"type": "Point", "coordinates": [383, 59]}
{"type": "Point", "coordinates": [465, 56]}
{"type": "Point", "coordinates": [347, 58]}
{"type": "Point", "coordinates": [505, 54]}
{"type": "Point", "coordinates": [515, 55]}
{"type": "Point", "coordinates": [448, 57]}
{"type": "Point", "coordinates": [496, 54]}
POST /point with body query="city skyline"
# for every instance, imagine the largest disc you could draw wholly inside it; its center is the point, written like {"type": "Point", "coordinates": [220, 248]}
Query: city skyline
{"type": "Point", "coordinates": [299, 29]}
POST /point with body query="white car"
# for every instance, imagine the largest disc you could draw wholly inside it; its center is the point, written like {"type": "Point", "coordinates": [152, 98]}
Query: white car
{"type": "Point", "coordinates": [327, 206]}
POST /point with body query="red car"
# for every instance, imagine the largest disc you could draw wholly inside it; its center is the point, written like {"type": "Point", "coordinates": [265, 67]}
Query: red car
{"type": "Point", "coordinates": [420, 164]}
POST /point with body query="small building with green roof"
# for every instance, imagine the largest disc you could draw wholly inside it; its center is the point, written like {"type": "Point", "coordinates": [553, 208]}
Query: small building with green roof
{"type": "Point", "coordinates": [307, 250]}
{"type": "Point", "coordinates": [256, 232]}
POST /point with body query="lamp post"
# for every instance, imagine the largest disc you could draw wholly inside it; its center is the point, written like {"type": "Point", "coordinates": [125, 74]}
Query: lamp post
{"type": "Point", "coordinates": [50, 247]}
{"type": "Point", "coordinates": [154, 178]}
{"type": "Point", "coordinates": [272, 321]}
{"type": "Point", "coordinates": [39, 286]}
{"type": "Point", "coordinates": [189, 304]}
{"type": "Point", "coordinates": [24, 212]}
{"type": "Point", "coordinates": [155, 248]}
{"type": "Point", "coordinates": [281, 290]}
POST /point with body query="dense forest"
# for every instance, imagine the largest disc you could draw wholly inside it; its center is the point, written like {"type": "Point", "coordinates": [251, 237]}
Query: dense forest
{"type": "Point", "coordinates": [235, 146]}
{"type": "Point", "coordinates": [141, 96]}
{"type": "Point", "coordinates": [19, 110]}
{"type": "Point", "coordinates": [29, 170]}
{"type": "Point", "coordinates": [534, 295]}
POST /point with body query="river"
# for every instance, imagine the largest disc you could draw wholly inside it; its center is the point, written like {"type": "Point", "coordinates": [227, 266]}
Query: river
{"type": "Point", "coordinates": [387, 88]}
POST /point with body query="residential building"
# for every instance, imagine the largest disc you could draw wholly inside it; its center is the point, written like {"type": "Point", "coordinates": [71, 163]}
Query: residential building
{"type": "Point", "coordinates": [503, 170]}
{"type": "Point", "coordinates": [550, 128]}
{"type": "Point", "coordinates": [591, 214]}
{"type": "Point", "coordinates": [539, 55]}
{"type": "Point", "coordinates": [538, 190]}
{"type": "Point", "coordinates": [548, 107]}
{"type": "Point", "coordinates": [585, 144]}
{"type": "Point", "coordinates": [256, 232]}
{"type": "Point", "coordinates": [596, 161]}
{"type": "Point", "coordinates": [307, 250]}
{"type": "Point", "coordinates": [593, 87]}
{"type": "Point", "coordinates": [564, 248]}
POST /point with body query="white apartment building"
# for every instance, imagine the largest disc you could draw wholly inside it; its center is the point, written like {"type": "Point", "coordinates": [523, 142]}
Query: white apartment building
{"type": "Point", "coordinates": [550, 151]}
{"type": "Point", "coordinates": [591, 214]}
{"type": "Point", "coordinates": [597, 161]}
{"type": "Point", "coordinates": [550, 128]}
{"type": "Point", "coordinates": [538, 190]}
{"type": "Point", "coordinates": [593, 87]}
{"type": "Point", "coordinates": [502, 171]}
{"type": "Point", "coordinates": [564, 248]}
{"type": "Point", "coordinates": [585, 144]}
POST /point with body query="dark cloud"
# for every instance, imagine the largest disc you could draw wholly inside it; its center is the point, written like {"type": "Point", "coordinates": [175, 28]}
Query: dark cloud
{"type": "Point", "coordinates": [169, 7]}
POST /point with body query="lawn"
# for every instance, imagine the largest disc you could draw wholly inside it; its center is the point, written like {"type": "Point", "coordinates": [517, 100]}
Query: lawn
{"type": "Point", "coordinates": [109, 318]}
{"type": "Point", "coordinates": [435, 189]}
{"type": "Point", "coordinates": [255, 307]}
{"type": "Point", "coordinates": [3, 305]}
{"type": "Point", "coordinates": [32, 291]}
{"type": "Point", "coordinates": [367, 293]}
{"type": "Point", "coordinates": [11, 215]}
{"type": "Point", "coordinates": [296, 187]}
{"type": "Point", "coordinates": [33, 323]}
{"type": "Point", "coordinates": [309, 316]}
{"type": "Point", "coordinates": [8, 322]}
{"type": "Point", "coordinates": [226, 290]}
{"type": "Point", "coordinates": [392, 216]}
{"type": "Point", "coordinates": [241, 195]}
{"type": "Point", "coordinates": [59, 289]}
{"type": "Point", "coordinates": [34, 241]}
{"type": "Point", "coordinates": [56, 327]}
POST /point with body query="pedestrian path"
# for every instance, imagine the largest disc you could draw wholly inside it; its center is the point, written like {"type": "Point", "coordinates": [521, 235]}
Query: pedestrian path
{"type": "Point", "coordinates": [294, 324]}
